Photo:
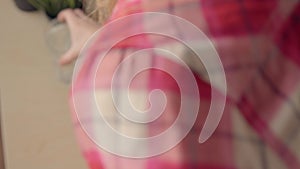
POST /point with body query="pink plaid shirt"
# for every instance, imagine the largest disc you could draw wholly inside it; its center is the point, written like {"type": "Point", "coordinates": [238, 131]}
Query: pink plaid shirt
{"type": "Point", "coordinates": [258, 42]}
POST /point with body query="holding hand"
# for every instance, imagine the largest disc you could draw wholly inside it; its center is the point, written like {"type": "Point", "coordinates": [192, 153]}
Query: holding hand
{"type": "Point", "coordinates": [81, 29]}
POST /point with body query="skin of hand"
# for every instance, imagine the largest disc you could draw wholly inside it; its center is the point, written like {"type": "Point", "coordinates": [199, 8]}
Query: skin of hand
{"type": "Point", "coordinates": [81, 29]}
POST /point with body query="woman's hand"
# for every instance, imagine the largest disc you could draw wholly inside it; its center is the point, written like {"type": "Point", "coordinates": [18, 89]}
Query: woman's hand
{"type": "Point", "coordinates": [81, 28]}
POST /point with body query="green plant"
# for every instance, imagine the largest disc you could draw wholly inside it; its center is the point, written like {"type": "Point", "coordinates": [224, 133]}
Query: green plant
{"type": "Point", "coordinates": [53, 7]}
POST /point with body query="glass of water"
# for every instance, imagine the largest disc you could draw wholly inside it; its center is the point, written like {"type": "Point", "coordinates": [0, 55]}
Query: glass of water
{"type": "Point", "coordinates": [59, 41]}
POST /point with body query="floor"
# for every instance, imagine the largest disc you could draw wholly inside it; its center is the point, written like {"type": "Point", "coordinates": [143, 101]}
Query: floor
{"type": "Point", "coordinates": [36, 121]}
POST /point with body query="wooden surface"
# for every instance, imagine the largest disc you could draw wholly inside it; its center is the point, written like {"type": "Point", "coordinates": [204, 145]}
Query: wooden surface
{"type": "Point", "coordinates": [2, 165]}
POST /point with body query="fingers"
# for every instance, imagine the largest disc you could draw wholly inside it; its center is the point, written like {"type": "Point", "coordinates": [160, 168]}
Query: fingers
{"type": "Point", "coordinates": [80, 28]}
{"type": "Point", "coordinates": [67, 15]}
{"type": "Point", "coordinates": [68, 57]}
{"type": "Point", "coordinates": [80, 13]}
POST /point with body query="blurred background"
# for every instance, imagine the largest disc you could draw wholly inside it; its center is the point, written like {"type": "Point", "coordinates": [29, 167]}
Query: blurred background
{"type": "Point", "coordinates": [36, 122]}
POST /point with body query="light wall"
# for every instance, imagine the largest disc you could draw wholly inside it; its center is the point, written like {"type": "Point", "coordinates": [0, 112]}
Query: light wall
{"type": "Point", "coordinates": [38, 133]}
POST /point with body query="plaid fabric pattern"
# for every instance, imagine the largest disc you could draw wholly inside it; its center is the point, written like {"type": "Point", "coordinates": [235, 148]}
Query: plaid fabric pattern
{"type": "Point", "coordinates": [259, 46]}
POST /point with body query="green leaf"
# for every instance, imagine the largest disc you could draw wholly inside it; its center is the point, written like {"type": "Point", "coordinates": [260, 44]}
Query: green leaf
{"type": "Point", "coordinates": [53, 7]}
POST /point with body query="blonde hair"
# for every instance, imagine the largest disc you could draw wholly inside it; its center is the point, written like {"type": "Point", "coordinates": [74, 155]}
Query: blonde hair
{"type": "Point", "coordinates": [99, 10]}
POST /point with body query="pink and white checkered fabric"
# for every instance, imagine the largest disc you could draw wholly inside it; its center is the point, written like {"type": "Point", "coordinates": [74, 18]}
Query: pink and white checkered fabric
{"type": "Point", "coordinates": [258, 42]}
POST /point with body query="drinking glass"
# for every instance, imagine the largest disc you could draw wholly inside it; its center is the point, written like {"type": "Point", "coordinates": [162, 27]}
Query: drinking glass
{"type": "Point", "coordinates": [59, 41]}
